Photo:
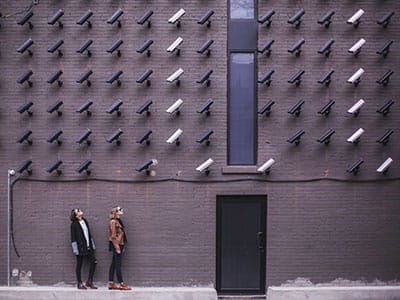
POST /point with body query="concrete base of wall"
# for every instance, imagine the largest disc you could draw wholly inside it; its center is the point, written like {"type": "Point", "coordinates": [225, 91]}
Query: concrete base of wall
{"type": "Point", "coordinates": [67, 293]}
{"type": "Point", "coordinates": [334, 293]}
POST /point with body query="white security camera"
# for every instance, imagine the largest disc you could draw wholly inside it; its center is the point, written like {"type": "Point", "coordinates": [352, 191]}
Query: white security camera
{"type": "Point", "coordinates": [174, 46]}
{"type": "Point", "coordinates": [175, 107]}
{"type": "Point", "coordinates": [355, 78]}
{"type": "Point", "coordinates": [354, 138]}
{"type": "Point", "coordinates": [11, 172]}
{"type": "Point", "coordinates": [203, 167]}
{"type": "Point", "coordinates": [356, 48]}
{"type": "Point", "coordinates": [355, 109]}
{"type": "Point", "coordinates": [355, 19]}
{"type": "Point", "coordinates": [266, 166]}
{"type": "Point", "coordinates": [383, 168]}
{"type": "Point", "coordinates": [175, 76]}
{"type": "Point", "coordinates": [174, 138]}
{"type": "Point", "coordinates": [177, 16]}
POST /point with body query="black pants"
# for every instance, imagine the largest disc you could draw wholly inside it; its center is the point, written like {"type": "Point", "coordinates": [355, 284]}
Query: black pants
{"type": "Point", "coordinates": [79, 261]}
{"type": "Point", "coordinates": [116, 265]}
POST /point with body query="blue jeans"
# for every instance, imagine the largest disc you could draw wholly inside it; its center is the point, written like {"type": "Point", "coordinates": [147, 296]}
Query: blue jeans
{"type": "Point", "coordinates": [116, 265]}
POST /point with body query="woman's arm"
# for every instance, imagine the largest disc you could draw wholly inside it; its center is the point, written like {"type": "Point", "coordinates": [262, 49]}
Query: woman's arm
{"type": "Point", "coordinates": [114, 236]}
{"type": "Point", "coordinates": [74, 243]}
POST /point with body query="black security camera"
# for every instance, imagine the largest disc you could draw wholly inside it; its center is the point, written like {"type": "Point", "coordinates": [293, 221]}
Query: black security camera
{"type": "Point", "coordinates": [326, 109]}
{"type": "Point", "coordinates": [84, 137]}
{"type": "Point", "coordinates": [326, 48]}
{"type": "Point", "coordinates": [146, 18]}
{"type": "Point", "coordinates": [145, 77]}
{"type": "Point", "coordinates": [296, 109]}
{"type": "Point", "coordinates": [145, 137]}
{"type": "Point", "coordinates": [205, 77]}
{"type": "Point", "coordinates": [25, 167]}
{"type": "Point", "coordinates": [206, 47]}
{"type": "Point", "coordinates": [266, 78]}
{"type": "Point", "coordinates": [145, 47]}
{"type": "Point", "coordinates": [56, 18]}
{"type": "Point", "coordinates": [326, 137]}
{"type": "Point", "coordinates": [115, 46]}
{"type": "Point", "coordinates": [25, 77]}
{"type": "Point", "coordinates": [115, 17]}
{"type": "Point", "coordinates": [82, 48]}
{"type": "Point", "coordinates": [326, 78]}
{"type": "Point", "coordinates": [85, 77]}
{"type": "Point", "coordinates": [85, 167]}
{"type": "Point", "coordinates": [145, 107]}
{"type": "Point", "coordinates": [296, 18]}
{"type": "Point", "coordinates": [55, 77]}
{"type": "Point", "coordinates": [55, 107]}
{"type": "Point", "coordinates": [266, 109]}
{"type": "Point", "coordinates": [25, 137]}
{"type": "Point", "coordinates": [25, 46]}
{"type": "Point", "coordinates": [296, 78]}
{"type": "Point", "coordinates": [115, 77]}
{"type": "Point", "coordinates": [115, 107]}
{"type": "Point", "coordinates": [85, 107]}
{"type": "Point", "coordinates": [205, 107]}
{"type": "Point", "coordinates": [25, 18]}
{"type": "Point", "coordinates": [206, 18]}
{"type": "Point", "coordinates": [85, 18]}
{"type": "Point", "coordinates": [55, 167]}
{"type": "Point", "coordinates": [25, 108]}
{"type": "Point", "coordinates": [115, 137]}
{"type": "Point", "coordinates": [55, 47]}
{"type": "Point", "coordinates": [205, 137]}
{"type": "Point", "coordinates": [54, 137]}
{"type": "Point", "coordinates": [296, 137]}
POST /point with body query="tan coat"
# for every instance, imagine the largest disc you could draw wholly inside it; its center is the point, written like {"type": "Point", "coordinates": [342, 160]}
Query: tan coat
{"type": "Point", "coordinates": [116, 234]}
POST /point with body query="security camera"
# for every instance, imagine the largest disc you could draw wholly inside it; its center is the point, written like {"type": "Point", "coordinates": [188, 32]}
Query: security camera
{"type": "Point", "coordinates": [25, 108]}
{"type": "Point", "coordinates": [384, 80]}
{"type": "Point", "coordinates": [54, 167]}
{"type": "Point", "coordinates": [175, 76]}
{"type": "Point", "coordinates": [145, 137]}
{"type": "Point", "coordinates": [326, 109]}
{"type": "Point", "coordinates": [115, 17]}
{"type": "Point", "coordinates": [355, 137]}
{"type": "Point", "coordinates": [145, 77]}
{"type": "Point", "coordinates": [296, 137]}
{"type": "Point", "coordinates": [25, 167]}
{"type": "Point", "coordinates": [384, 139]}
{"type": "Point", "coordinates": [84, 137]}
{"type": "Point", "coordinates": [385, 48]}
{"type": "Point", "coordinates": [205, 137]}
{"type": "Point", "coordinates": [115, 77]}
{"type": "Point", "coordinates": [174, 46]}
{"type": "Point", "coordinates": [56, 18]}
{"type": "Point", "coordinates": [85, 77]}
{"type": "Point", "coordinates": [355, 19]}
{"type": "Point", "coordinates": [176, 18]}
{"type": "Point", "coordinates": [84, 167]}
{"type": "Point", "coordinates": [206, 46]}
{"type": "Point", "coordinates": [326, 78]}
{"type": "Point", "coordinates": [266, 109]}
{"type": "Point", "coordinates": [115, 137]}
{"type": "Point", "coordinates": [174, 138]}
{"type": "Point", "coordinates": [25, 18]}
{"type": "Point", "coordinates": [115, 46]}
{"type": "Point", "coordinates": [326, 137]}
{"type": "Point", "coordinates": [25, 137]}
{"type": "Point", "coordinates": [384, 167]}
{"type": "Point", "coordinates": [356, 77]}
{"type": "Point", "coordinates": [55, 107]}
{"type": "Point", "coordinates": [266, 78]}
{"type": "Point", "coordinates": [385, 20]}
{"type": "Point", "coordinates": [55, 77]}
{"type": "Point", "coordinates": [204, 167]}
{"type": "Point", "coordinates": [356, 48]}
{"type": "Point", "coordinates": [145, 47]}
{"type": "Point", "coordinates": [25, 46]}
{"type": "Point", "coordinates": [385, 108]}
{"type": "Point", "coordinates": [205, 77]}
{"type": "Point", "coordinates": [296, 78]}
{"type": "Point", "coordinates": [146, 18]}
{"type": "Point", "coordinates": [85, 18]}
{"type": "Point", "coordinates": [266, 167]}
{"type": "Point", "coordinates": [85, 47]}
{"type": "Point", "coordinates": [25, 77]}
{"type": "Point", "coordinates": [146, 165]}
{"type": "Point", "coordinates": [55, 137]}
{"type": "Point", "coordinates": [205, 107]}
{"type": "Point", "coordinates": [296, 47]}
{"type": "Point", "coordinates": [355, 109]}
{"type": "Point", "coordinates": [354, 168]}
{"type": "Point", "coordinates": [266, 47]}
{"type": "Point", "coordinates": [174, 108]}
{"type": "Point", "coordinates": [145, 107]}
{"type": "Point", "coordinates": [206, 18]}
{"type": "Point", "coordinates": [55, 47]}
{"type": "Point", "coordinates": [326, 48]}
{"type": "Point", "coordinates": [296, 18]}
{"type": "Point", "coordinates": [326, 18]}
{"type": "Point", "coordinates": [115, 107]}
{"type": "Point", "coordinates": [85, 107]}
{"type": "Point", "coordinates": [267, 18]}
{"type": "Point", "coordinates": [296, 109]}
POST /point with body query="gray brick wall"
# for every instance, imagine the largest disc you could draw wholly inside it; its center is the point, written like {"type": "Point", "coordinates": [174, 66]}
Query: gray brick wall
{"type": "Point", "coordinates": [322, 229]}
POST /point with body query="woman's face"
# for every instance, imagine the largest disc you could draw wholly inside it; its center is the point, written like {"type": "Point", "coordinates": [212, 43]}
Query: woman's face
{"type": "Point", "coordinates": [120, 211]}
{"type": "Point", "coordinates": [78, 213]}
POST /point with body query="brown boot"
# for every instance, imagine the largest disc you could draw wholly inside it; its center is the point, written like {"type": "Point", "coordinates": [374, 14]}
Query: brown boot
{"type": "Point", "coordinates": [124, 287]}
{"type": "Point", "coordinates": [89, 284]}
{"type": "Point", "coordinates": [112, 286]}
{"type": "Point", "coordinates": [81, 286]}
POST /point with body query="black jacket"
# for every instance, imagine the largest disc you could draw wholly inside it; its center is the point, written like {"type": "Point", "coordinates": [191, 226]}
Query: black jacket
{"type": "Point", "coordinates": [79, 246]}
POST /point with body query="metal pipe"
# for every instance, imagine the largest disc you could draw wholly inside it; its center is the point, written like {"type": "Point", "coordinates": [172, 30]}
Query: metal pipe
{"type": "Point", "coordinates": [9, 174]}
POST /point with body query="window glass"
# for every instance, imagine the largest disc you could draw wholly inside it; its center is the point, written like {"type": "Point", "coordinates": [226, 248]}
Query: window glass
{"type": "Point", "coordinates": [242, 9]}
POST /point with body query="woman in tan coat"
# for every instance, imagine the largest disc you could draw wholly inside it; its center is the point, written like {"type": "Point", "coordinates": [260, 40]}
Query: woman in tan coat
{"type": "Point", "coordinates": [117, 240]}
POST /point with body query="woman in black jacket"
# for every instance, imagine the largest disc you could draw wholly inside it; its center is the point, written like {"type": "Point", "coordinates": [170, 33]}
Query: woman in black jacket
{"type": "Point", "coordinates": [82, 246]}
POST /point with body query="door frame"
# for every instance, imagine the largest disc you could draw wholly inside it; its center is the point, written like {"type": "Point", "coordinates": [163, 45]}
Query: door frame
{"type": "Point", "coordinates": [263, 258]}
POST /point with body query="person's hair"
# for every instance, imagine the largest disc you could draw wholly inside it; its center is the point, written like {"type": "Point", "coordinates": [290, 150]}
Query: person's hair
{"type": "Point", "coordinates": [73, 214]}
{"type": "Point", "coordinates": [113, 212]}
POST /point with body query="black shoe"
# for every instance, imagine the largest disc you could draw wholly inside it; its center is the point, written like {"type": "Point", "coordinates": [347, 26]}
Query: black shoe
{"type": "Point", "coordinates": [81, 286]}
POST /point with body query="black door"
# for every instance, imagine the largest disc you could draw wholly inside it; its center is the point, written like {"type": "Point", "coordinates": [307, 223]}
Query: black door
{"type": "Point", "coordinates": [241, 232]}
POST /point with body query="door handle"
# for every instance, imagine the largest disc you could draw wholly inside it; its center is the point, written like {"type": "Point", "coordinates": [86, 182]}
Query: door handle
{"type": "Point", "coordinates": [260, 240]}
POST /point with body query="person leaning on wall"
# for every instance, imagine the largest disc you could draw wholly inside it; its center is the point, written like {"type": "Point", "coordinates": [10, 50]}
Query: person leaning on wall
{"type": "Point", "coordinates": [82, 246]}
{"type": "Point", "coordinates": [117, 240]}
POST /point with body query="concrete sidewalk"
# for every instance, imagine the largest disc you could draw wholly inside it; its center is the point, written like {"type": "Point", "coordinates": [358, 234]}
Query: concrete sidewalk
{"type": "Point", "coordinates": [68, 293]}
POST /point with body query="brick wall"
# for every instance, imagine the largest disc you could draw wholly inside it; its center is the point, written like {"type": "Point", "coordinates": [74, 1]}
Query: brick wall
{"type": "Point", "coordinates": [322, 230]}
